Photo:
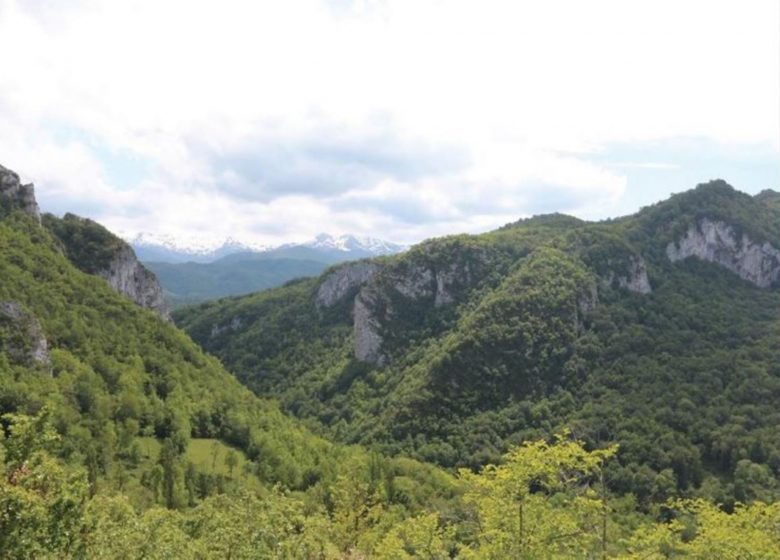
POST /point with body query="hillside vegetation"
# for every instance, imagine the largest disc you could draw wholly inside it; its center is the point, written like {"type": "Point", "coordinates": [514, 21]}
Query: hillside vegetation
{"type": "Point", "coordinates": [123, 404]}
{"type": "Point", "coordinates": [121, 438]}
{"type": "Point", "coordinates": [548, 323]}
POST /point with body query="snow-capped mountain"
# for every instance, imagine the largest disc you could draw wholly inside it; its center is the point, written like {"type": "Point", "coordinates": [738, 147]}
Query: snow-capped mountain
{"type": "Point", "coordinates": [169, 249]}
{"type": "Point", "coordinates": [354, 243]}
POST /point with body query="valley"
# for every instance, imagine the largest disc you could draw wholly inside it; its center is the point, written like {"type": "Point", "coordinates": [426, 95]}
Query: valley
{"type": "Point", "coordinates": [614, 382]}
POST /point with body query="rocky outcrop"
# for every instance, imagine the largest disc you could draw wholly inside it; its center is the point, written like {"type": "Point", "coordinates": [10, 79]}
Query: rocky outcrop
{"type": "Point", "coordinates": [368, 340]}
{"type": "Point", "coordinates": [633, 279]}
{"type": "Point", "coordinates": [129, 277]}
{"type": "Point", "coordinates": [717, 242]}
{"type": "Point", "coordinates": [16, 196]}
{"type": "Point", "coordinates": [416, 283]}
{"type": "Point", "coordinates": [343, 281]}
{"type": "Point", "coordinates": [95, 250]}
{"type": "Point", "coordinates": [21, 336]}
{"type": "Point", "coordinates": [439, 284]}
{"type": "Point", "coordinates": [421, 284]}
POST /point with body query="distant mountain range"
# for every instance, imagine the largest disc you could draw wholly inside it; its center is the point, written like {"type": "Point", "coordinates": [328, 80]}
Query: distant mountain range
{"type": "Point", "coordinates": [191, 273]}
{"type": "Point", "coordinates": [169, 249]}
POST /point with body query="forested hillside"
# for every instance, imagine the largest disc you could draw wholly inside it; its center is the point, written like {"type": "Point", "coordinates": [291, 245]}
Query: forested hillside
{"type": "Point", "coordinates": [121, 439]}
{"type": "Point", "coordinates": [659, 332]}
{"type": "Point", "coordinates": [108, 410]}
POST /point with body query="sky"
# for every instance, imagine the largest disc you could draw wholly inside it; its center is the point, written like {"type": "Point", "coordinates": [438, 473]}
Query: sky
{"type": "Point", "coordinates": [270, 122]}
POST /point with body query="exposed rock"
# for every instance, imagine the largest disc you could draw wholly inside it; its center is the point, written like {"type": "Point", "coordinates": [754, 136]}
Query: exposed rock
{"type": "Point", "coordinates": [716, 242]}
{"type": "Point", "coordinates": [339, 283]}
{"type": "Point", "coordinates": [635, 278]}
{"type": "Point", "coordinates": [419, 282]}
{"type": "Point", "coordinates": [422, 282]}
{"type": "Point", "coordinates": [129, 277]}
{"type": "Point", "coordinates": [368, 340]}
{"type": "Point", "coordinates": [17, 196]}
{"type": "Point", "coordinates": [93, 249]}
{"type": "Point", "coordinates": [23, 338]}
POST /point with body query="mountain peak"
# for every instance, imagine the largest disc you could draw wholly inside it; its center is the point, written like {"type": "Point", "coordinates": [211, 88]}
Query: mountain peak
{"type": "Point", "coordinates": [354, 243]}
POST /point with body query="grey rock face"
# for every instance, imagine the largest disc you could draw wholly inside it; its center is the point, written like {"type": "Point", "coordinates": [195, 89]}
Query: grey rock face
{"type": "Point", "coordinates": [368, 340]}
{"type": "Point", "coordinates": [422, 282]}
{"type": "Point", "coordinates": [129, 277]}
{"type": "Point", "coordinates": [716, 242]}
{"type": "Point", "coordinates": [27, 344]}
{"type": "Point", "coordinates": [342, 281]}
{"type": "Point", "coordinates": [418, 283]}
{"type": "Point", "coordinates": [448, 278]}
{"type": "Point", "coordinates": [125, 273]}
{"type": "Point", "coordinates": [635, 278]}
{"type": "Point", "coordinates": [16, 195]}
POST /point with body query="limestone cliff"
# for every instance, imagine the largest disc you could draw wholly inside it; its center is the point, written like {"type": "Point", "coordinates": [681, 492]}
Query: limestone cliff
{"type": "Point", "coordinates": [89, 246]}
{"type": "Point", "coordinates": [95, 250]}
{"type": "Point", "coordinates": [343, 280]}
{"type": "Point", "coordinates": [366, 325]}
{"type": "Point", "coordinates": [717, 242]}
{"type": "Point", "coordinates": [129, 277]}
{"type": "Point", "coordinates": [422, 283]}
{"type": "Point", "coordinates": [16, 196]}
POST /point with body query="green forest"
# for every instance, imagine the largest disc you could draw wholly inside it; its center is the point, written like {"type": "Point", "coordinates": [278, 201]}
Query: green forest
{"type": "Point", "coordinates": [684, 378]}
{"type": "Point", "coordinates": [532, 397]}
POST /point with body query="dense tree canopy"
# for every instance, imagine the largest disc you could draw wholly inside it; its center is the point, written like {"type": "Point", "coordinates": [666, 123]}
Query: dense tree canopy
{"type": "Point", "coordinates": [590, 422]}
{"type": "Point", "coordinates": [540, 335]}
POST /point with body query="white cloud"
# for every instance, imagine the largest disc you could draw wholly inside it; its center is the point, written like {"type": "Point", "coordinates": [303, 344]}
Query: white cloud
{"type": "Point", "coordinates": [520, 92]}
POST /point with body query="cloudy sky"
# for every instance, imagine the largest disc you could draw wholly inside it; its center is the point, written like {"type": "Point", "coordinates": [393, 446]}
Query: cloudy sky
{"type": "Point", "coordinates": [272, 121]}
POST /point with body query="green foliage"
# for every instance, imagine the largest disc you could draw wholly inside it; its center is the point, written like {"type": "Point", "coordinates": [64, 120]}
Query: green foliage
{"type": "Point", "coordinates": [137, 444]}
{"type": "Point", "coordinates": [541, 501]}
{"type": "Point", "coordinates": [88, 245]}
{"type": "Point", "coordinates": [546, 500]}
{"type": "Point", "coordinates": [118, 372]}
{"type": "Point", "coordinates": [539, 336]}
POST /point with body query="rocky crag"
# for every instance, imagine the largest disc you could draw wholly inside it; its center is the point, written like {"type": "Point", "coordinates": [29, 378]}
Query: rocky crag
{"type": "Point", "coordinates": [91, 247]}
{"type": "Point", "coordinates": [129, 277]}
{"type": "Point", "coordinates": [717, 242]}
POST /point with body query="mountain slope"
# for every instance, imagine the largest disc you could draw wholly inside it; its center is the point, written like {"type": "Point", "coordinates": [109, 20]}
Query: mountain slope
{"type": "Point", "coordinates": [122, 439]}
{"type": "Point", "coordinates": [659, 331]}
{"type": "Point", "coordinates": [95, 250]}
{"type": "Point", "coordinates": [110, 414]}
{"type": "Point", "coordinates": [118, 371]}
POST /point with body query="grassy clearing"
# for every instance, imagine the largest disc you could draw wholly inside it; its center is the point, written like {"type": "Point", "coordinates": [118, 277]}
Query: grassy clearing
{"type": "Point", "coordinates": [208, 455]}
